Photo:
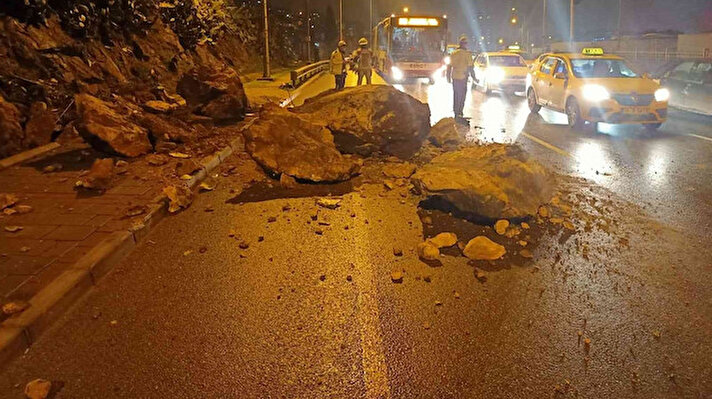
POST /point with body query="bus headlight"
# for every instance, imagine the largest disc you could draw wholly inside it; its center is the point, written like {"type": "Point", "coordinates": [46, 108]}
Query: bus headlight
{"type": "Point", "coordinates": [447, 60]}
{"type": "Point", "coordinates": [396, 73]}
{"type": "Point", "coordinates": [662, 95]}
{"type": "Point", "coordinates": [495, 75]}
{"type": "Point", "coordinates": [595, 93]}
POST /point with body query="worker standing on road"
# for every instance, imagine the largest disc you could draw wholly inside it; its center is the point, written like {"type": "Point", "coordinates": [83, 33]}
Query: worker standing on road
{"type": "Point", "coordinates": [338, 65]}
{"type": "Point", "coordinates": [458, 72]}
{"type": "Point", "coordinates": [363, 58]}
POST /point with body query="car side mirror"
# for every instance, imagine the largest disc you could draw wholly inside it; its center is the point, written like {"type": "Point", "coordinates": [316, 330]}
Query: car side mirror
{"type": "Point", "coordinates": [560, 75]}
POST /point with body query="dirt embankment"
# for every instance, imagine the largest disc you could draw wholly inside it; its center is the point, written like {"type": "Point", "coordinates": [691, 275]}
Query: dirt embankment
{"type": "Point", "coordinates": [130, 59]}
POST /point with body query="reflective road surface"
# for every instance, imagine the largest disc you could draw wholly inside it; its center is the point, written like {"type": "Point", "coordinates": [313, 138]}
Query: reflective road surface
{"type": "Point", "coordinates": [668, 172]}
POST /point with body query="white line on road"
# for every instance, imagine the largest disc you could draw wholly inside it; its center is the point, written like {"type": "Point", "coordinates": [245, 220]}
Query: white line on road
{"type": "Point", "coordinates": [700, 137]}
{"type": "Point", "coordinates": [373, 358]}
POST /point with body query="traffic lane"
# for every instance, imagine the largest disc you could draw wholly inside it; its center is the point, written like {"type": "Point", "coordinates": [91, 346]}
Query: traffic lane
{"type": "Point", "coordinates": [197, 316]}
{"type": "Point", "coordinates": [669, 169]}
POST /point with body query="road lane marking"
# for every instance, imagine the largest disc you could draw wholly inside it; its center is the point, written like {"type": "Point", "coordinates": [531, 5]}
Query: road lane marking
{"type": "Point", "coordinates": [547, 145]}
{"type": "Point", "coordinates": [373, 358]}
{"type": "Point", "coordinates": [700, 137]}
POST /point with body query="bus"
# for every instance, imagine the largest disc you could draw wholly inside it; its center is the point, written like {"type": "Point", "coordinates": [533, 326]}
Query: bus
{"type": "Point", "coordinates": [410, 46]}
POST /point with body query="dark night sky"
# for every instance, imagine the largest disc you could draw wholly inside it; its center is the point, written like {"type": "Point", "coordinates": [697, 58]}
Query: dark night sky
{"type": "Point", "coordinates": [592, 15]}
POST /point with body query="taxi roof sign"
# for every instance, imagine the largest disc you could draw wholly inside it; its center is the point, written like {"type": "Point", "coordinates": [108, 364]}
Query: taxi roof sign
{"type": "Point", "coordinates": [514, 47]}
{"type": "Point", "coordinates": [592, 51]}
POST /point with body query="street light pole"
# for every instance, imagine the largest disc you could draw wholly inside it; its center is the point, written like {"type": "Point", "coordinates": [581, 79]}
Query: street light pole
{"type": "Point", "coordinates": [266, 72]}
{"type": "Point", "coordinates": [543, 23]}
{"type": "Point", "coordinates": [309, 34]}
{"type": "Point", "coordinates": [341, 19]}
{"type": "Point", "coordinates": [571, 25]}
{"type": "Point", "coordinates": [370, 19]}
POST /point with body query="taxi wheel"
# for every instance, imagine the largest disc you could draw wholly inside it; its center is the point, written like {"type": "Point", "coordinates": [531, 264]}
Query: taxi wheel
{"type": "Point", "coordinates": [653, 126]}
{"type": "Point", "coordinates": [531, 101]}
{"type": "Point", "coordinates": [573, 112]}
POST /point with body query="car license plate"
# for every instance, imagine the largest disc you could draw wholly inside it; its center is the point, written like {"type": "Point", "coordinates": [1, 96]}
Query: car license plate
{"type": "Point", "coordinates": [635, 110]}
{"type": "Point", "coordinates": [417, 67]}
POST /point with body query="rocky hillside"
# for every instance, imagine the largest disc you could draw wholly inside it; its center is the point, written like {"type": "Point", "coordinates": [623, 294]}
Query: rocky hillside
{"type": "Point", "coordinates": [164, 72]}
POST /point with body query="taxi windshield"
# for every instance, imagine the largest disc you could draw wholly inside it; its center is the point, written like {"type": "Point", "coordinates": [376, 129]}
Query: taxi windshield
{"type": "Point", "coordinates": [601, 68]}
{"type": "Point", "coordinates": [506, 61]}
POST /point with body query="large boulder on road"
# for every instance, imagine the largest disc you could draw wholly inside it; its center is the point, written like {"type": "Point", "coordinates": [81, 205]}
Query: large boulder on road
{"type": "Point", "coordinates": [495, 181]}
{"type": "Point", "coordinates": [286, 143]}
{"type": "Point", "coordinates": [108, 129]}
{"type": "Point", "coordinates": [368, 118]}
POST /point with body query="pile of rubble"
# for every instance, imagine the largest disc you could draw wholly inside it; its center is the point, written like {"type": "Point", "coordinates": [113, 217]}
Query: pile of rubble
{"type": "Point", "coordinates": [143, 83]}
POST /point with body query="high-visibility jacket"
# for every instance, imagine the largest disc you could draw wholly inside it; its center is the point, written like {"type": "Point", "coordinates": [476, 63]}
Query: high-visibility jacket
{"type": "Point", "coordinates": [461, 64]}
{"type": "Point", "coordinates": [364, 59]}
{"type": "Point", "coordinates": [337, 63]}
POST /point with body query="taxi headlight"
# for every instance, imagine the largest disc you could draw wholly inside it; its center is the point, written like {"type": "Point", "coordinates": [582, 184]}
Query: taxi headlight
{"type": "Point", "coordinates": [595, 93]}
{"type": "Point", "coordinates": [396, 73]}
{"type": "Point", "coordinates": [447, 60]}
{"type": "Point", "coordinates": [495, 75]}
{"type": "Point", "coordinates": [662, 95]}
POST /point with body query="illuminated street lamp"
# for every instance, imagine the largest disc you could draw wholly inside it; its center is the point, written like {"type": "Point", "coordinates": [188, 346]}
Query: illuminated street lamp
{"type": "Point", "coordinates": [406, 10]}
{"type": "Point", "coordinates": [514, 21]}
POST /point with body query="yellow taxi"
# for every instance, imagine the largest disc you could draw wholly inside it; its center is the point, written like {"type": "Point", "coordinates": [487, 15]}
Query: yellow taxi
{"type": "Point", "coordinates": [595, 87]}
{"type": "Point", "coordinates": [504, 71]}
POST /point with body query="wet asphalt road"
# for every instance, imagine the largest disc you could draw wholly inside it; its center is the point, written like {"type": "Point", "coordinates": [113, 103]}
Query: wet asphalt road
{"type": "Point", "coordinates": [309, 309]}
{"type": "Point", "coordinates": [668, 171]}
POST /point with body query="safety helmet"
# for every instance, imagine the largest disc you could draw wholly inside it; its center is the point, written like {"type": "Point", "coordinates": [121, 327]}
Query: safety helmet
{"type": "Point", "coordinates": [463, 39]}
{"type": "Point", "coordinates": [362, 41]}
{"type": "Point", "coordinates": [342, 43]}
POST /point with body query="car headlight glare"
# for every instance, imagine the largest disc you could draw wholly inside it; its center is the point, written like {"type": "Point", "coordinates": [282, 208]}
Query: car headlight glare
{"type": "Point", "coordinates": [662, 94]}
{"type": "Point", "coordinates": [495, 75]}
{"type": "Point", "coordinates": [595, 93]}
{"type": "Point", "coordinates": [447, 60]}
{"type": "Point", "coordinates": [396, 73]}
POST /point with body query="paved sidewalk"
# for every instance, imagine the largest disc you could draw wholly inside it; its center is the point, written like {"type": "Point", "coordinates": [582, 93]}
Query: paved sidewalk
{"type": "Point", "coordinates": [64, 224]}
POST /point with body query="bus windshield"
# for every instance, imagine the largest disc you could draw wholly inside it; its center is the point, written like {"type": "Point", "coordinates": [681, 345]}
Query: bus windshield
{"type": "Point", "coordinates": [601, 68]}
{"type": "Point", "coordinates": [417, 44]}
{"type": "Point", "coordinates": [506, 61]}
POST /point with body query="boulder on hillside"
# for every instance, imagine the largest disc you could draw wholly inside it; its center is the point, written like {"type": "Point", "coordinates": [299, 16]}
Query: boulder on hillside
{"type": "Point", "coordinates": [371, 117]}
{"type": "Point", "coordinates": [109, 129]}
{"type": "Point", "coordinates": [284, 142]}
{"type": "Point", "coordinates": [11, 134]}
{"type": "Point", "coordinates": [215, 93]}
{"type": "Point", "coordinates": [495, 181]}
{"type": "Point", "coordinates": [447, 134]}
{"type": "Point", "coordinates": [40, 126]}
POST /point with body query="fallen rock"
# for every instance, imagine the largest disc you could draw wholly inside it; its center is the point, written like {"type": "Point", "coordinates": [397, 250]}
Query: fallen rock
{"type": "Point", "coordinates": [397, 276]}
{"type": "Point", "coordinates": [22, 209]}
{"type": "Point", "coordinates": [482, 248]}
{"type": "Point", "coordinates": [156, 159]}
{"type": "Point", "coordinates": [283, 142]}
{"type": "Point", "coordinates": [7, 200]}
{"type": "Point", "coordinates": [493, 181]}
{"type": "Point", "coordinates": [372, 117]}
{"type": "Point", "coordinates": [38, 389]}
{"type": "Point", "coordinates": [158, 107]}
{"type": "Point", "coordinates": [501, 226]}
{"type": "Point", "coordinates": [215, 93]}
{"type": "Point", "coordinates": [287, 181]}
{"type": "Point", "coordinates": [13, 307]}
{"type": "Point", "coordinates": [187, 167]}
{"type": "Point", "coordinates": [447, 134]}
{"type": "Point", "coordinates": [428, 251]}
{"type": "Point", "coordinates": [99, 176]}
{"type": "Point", "coordinates": [179, 197]}
{"type": "Point", "coordinates": [11, 134]}
{"type": "Point", "coordinates": [443, 240]}
{"type": "Point", "coordinates": [329, 203]}
{"type": "Point", "coordinates": [402, 170]}
{"type": "Point", "coordinates": [166, 128]}
{"type": "Point", "coordinates": [40, 125]}
{"type": "Point", "coordinates": [13, 229]}
{"type": "Point", "coordinates": [108, 129]}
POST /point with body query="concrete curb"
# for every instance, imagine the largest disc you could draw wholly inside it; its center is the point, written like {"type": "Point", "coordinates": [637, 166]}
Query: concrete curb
{"type": "Point", "coordinates": [26, 155]}
{"type": "Point", "coordinates": [20, 331]}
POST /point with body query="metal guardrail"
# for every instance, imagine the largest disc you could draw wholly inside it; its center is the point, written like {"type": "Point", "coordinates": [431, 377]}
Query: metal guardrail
{"type": "Point", "coordinates": [301, 75]}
